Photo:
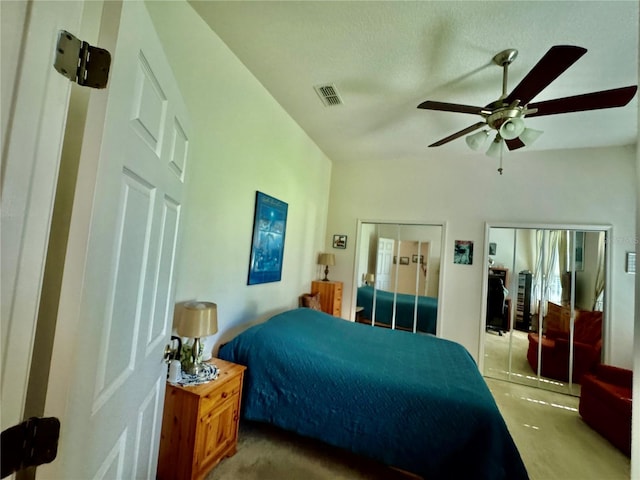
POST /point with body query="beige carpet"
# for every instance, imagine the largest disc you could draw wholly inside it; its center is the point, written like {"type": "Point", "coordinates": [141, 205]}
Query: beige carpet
{"type": "Point", "coordinates": [268, 453]}
{"type": "Point", "coordinates": [497, 365]}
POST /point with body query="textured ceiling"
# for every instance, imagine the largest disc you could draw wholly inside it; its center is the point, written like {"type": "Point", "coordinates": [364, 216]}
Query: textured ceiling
{"type": "Point", "coordinates": [386, 57]}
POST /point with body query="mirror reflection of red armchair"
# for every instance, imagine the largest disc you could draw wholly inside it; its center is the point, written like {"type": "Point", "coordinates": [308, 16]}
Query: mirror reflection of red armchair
{"type": "Point", "coordinates": [587, 347]}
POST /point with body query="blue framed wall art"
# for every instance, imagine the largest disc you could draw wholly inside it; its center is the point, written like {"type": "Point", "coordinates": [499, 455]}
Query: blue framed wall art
{"type": "Point", "coordinates": [267, 247]}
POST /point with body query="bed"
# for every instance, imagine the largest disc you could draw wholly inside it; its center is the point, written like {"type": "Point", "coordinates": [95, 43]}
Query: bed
{"type": "Point", "coordinates": [411, 401]}
{"type": "Point", "coordinates": [427, 309]}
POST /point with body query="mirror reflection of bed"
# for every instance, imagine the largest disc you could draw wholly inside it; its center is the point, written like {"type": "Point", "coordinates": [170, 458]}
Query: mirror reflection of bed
{"type": "Point", "coordinates": [397, 274]}
{"type": "Point", "coordinates": [548, 331]}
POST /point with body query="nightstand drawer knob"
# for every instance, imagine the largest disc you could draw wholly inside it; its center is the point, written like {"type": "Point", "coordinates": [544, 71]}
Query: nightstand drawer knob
{"type": "Point", "coordinates": [225, 394]}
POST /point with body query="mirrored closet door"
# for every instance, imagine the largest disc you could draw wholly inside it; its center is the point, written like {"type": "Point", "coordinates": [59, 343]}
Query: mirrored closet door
{"type": "Point", "coordinates": [545, 305]}
{"type": "Point", "coordinates": [397, 273]}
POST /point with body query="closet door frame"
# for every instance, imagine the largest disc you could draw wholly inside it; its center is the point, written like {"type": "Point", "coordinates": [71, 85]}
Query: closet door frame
{"type": "Point", "coordinates": [607, 229]}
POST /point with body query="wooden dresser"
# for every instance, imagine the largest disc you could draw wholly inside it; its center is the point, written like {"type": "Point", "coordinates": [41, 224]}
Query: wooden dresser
{"type": "Point", "coordinates": [559, 317]}
{"type": "Point", "coordinates": [200, 424]}
{"type": "Point", "coordinates": [330, 296]}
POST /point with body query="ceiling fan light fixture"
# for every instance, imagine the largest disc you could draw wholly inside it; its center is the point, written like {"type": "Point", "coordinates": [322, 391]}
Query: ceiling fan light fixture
{"type": "Point", "coordinates": [477, 140]}
{"type": "Point", "coordinates": [512, 128]}
{"type": "Point", "coordinates": [496, 147]}
{"type": "Point", "coordinates": [530, 135]}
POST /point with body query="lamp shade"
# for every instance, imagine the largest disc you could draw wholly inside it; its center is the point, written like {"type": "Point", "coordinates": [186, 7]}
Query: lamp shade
{"type": "Point", "coordinates": [529, 135]}
{"type": "Point", "coordinates": [496, 147]}
{"type": "Point", "coordinates": [477, 140]}
{"type": "Point", "coordinates": [369, 278]}
{"type": "Point", "coordinates": [198, 319]}
{"type": "Point", "coordinates": [512, 128]}
{"type": "Point", "coordinates": [326, 259]}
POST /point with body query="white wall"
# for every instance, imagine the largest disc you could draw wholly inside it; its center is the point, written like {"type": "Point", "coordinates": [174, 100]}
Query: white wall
{"type": "Point", "coordinates": [243, 142]}
{"type": "Point", "coordinates": [590, 186]}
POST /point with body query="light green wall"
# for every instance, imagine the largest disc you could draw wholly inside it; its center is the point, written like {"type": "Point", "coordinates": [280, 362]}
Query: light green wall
{"type": "Point", "coordinates": [242, 141]}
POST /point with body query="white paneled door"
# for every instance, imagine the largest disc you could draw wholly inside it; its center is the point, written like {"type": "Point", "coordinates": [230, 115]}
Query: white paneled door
{"type": "Point", "coordinates": [383, 265]}
{"type": "Point", "coordinates": [116, 308]}
{"type": "Point", "coordinates": [34, 99]}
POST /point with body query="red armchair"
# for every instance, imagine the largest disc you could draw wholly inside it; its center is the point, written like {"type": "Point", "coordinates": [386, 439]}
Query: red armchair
{"type": "Point", "coordinates": [587, 347]}
{"type": "Point", "coordinates": [605, 404]}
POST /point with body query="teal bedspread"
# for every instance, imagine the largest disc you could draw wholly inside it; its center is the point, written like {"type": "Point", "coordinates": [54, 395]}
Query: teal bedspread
{"type": "Point", "coordinates": [427, 307]}
{"type": "Point", "coordinates": [412, 401]}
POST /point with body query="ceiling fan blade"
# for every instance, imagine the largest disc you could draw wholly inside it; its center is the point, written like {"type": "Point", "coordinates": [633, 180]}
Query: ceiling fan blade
{"type": "Point", "coordinates": [617, 97]}
{"type": "Point", "coordinates": [514, 143]}
{"type": "Point", "coordinates": [459, 134]}
{"type": "Point", "coordinates": [453, 107]}
{"type": "Point", "coordinates": [550, 67]}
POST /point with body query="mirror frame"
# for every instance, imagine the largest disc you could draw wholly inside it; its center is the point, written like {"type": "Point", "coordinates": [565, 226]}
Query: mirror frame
{"type": "Point", "coordinates": [607, 229]}
{"type": "Point", "coordinates": [441, 275]}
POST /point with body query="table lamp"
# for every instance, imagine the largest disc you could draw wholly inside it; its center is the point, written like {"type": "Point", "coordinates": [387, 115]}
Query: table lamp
{"type": "Point", "coordinates": [326, 259]}
{"type": "Point", "coordinates": [369, 279]}
{"type": "Point", "coordinates": [198, 319]}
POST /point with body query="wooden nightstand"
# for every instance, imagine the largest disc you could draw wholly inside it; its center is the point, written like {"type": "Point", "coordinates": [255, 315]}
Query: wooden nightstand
{"type": "Point", "coordinates": [200, 424]}
{"type": "Point", "coordinates": [330, 296]}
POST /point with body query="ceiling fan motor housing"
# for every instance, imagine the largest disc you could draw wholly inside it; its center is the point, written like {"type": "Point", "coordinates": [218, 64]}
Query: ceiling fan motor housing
{"type": "Point", "coordinates": [501, 115]}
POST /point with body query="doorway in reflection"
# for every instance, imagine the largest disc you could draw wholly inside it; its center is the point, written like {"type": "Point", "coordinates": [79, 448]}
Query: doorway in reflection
{"type": "Point", "coordinates": [397, 274]}
{"type": "Point", "coordinates": [545, 305]}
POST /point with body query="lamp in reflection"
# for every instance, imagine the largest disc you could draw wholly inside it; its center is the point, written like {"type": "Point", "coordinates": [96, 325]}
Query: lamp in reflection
{"type": "Point", "coordinates": [369, 279]}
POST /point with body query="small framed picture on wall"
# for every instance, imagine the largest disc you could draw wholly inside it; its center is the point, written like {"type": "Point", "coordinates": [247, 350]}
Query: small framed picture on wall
{"type": "Point", "coordinates": [339, 241]}
{"type": "Point", "coordinates": [463, 253]}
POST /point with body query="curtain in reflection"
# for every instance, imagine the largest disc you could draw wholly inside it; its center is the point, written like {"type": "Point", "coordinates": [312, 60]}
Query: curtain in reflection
{"type": "Point", "coordinates": [563, 248]}
{"type": "Point", "coordinates": [552, 288]}
{"type": "Point", "coordinates": [545, 278]}
{"type": "Point", "coordinates": [565, 239]}
{"type": "Point", "coordinates": [536, 244]}
{"type": "Point", "coordinates": [600, 273]}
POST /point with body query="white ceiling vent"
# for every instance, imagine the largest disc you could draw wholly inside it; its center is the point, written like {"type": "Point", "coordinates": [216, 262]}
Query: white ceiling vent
{"type": "Point", "coordinates": [328, 94]}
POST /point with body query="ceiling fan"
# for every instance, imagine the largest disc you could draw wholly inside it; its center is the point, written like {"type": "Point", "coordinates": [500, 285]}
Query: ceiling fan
{"type": "Point", "coordinates": [506, 114]}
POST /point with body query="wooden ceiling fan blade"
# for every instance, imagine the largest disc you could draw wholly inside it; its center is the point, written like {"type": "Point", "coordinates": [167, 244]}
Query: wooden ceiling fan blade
{"type": "Point", "coordinates": [453, 107]}
{"type": "Point", "coordinates": [558, 59]}
{"type": "Point", "coordinates": [514, 143]}
{"type": "Point", "coordinates": [459, 134]}
{"type": "Point", "coordinates": [617, 97]}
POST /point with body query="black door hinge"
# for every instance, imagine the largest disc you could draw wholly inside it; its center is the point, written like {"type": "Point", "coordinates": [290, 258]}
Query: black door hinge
{"type": "Point", "coordinates": [32, 443]}
{"type": "Point", "coordinates": [81, 62]}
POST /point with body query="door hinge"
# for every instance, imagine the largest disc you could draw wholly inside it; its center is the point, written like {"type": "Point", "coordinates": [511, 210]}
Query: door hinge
{"type": "Point", "coordinates": [81, 62]}
{"type": "Point", "coordinates": [32, 443]}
